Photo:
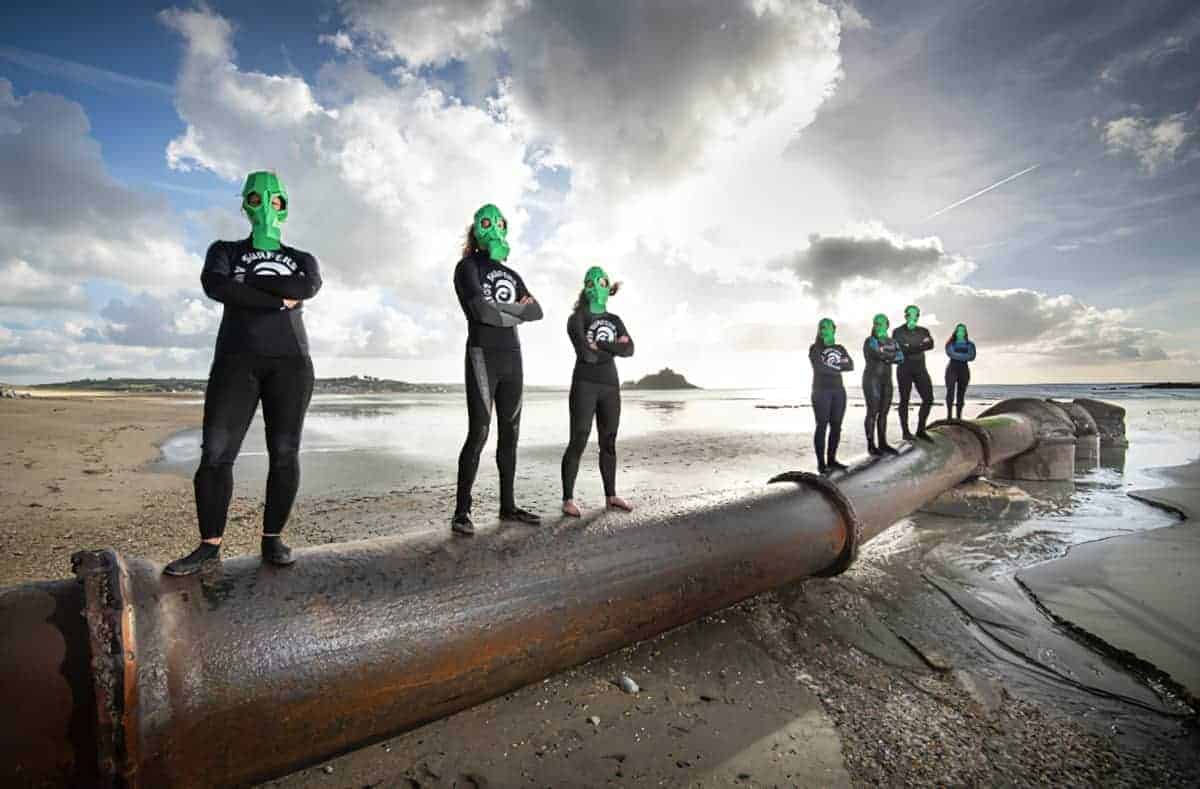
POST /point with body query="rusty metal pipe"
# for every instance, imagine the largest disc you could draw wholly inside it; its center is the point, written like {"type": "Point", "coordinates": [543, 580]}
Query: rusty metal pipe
{"type": "Point", "coordinates": [250, 671]}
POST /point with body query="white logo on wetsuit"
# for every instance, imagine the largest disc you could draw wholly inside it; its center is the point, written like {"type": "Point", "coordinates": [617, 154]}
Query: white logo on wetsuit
{"type": "Point", "coordinates": [602, 330]}
{"type": "Point", "coordinates": [266, 263]}
{"type": "Point", "coordinates": [499, 286]}
{"type": "Point", "coordinates": [832, 357]}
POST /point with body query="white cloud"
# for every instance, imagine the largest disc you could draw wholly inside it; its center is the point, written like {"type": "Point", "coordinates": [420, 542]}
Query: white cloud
{"type": "Point", "coordinates": [22, 285]}
{"type": "Point", "coordinates": [340, 41]}
{"type": "Point", "coordinates": [101, 230]}
{"type": "Point", "coordinates": [383, 176]}
{"type": "Point", "coordinates": [1154, 143]}
{"type": "Point", "coordinates": [428, 31]}
{"type": "Point", "coordinates": [631, 94]}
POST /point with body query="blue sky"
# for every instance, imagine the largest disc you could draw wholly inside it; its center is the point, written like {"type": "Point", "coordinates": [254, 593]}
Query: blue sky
{"type": "Point", "coordinates": [744, 168]}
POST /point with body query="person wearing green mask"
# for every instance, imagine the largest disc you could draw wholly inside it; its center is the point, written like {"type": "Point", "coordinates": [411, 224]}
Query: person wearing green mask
{"type": "Point", "coordinates": [914, 341]}
{"type": "Point", "coordinates": [495, 301]}
{"type": "Point", "coordinates": [961, 351]}
{"type": "Point", "coordinates": [829, 360]}
{"type": "Point", "coordinates": [881, 352]}
{"type": "Point", "coordinates": [261, 355]}
{"type": "Point", "coordinates": [597, 335]}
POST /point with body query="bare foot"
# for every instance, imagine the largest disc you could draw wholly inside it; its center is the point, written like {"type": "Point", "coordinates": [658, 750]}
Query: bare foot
{"type": "Point", "coordinates": [618, 503]}
{"type": "Point", "coordinates": [569, 508]}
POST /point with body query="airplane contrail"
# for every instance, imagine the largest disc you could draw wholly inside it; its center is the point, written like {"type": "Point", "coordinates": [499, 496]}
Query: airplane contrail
{"type": "Point", "coordinates": [968, 198]}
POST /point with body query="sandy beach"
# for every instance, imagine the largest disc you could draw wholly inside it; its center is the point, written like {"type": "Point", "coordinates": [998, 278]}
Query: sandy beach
{"type": "Point", "coordinates": [875, 677]}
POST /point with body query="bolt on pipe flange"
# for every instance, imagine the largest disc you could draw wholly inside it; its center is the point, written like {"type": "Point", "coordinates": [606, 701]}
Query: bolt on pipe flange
{"type": "Point", "coordinates": [839, 501]}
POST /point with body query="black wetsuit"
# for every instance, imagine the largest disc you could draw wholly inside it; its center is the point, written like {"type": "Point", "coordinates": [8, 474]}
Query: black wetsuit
{"type": "Point", "coordinates": [828, 398]}
{"type": "Point", "coordinates": [261, 354]}
{"type": "Point", "coordinates": [595, 391]}
{"type": "Point", "coordinates": [958, 373]}
{"type": "Point", "coordinates": [877, 387]}
{"type": "Point", "coordinates": [489, 293]}
{"type": "Point", "coordinates": [914, 343]}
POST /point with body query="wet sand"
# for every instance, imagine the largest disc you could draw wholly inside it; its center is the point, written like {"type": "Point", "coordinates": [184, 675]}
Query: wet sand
{"type": "Point", "coordinates": [870, 678]}
{"type": "Point", "coordinates": [1137, 595]}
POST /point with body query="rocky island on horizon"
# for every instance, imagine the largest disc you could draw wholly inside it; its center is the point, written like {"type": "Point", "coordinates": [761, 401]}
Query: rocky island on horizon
{"type": "Point", "coordinates": [666, 378]}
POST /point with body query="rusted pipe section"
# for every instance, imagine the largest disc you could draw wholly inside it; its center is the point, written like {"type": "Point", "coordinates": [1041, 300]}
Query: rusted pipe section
{"type": "Point", "coordinates": [250, 671]}
{"type": "Point", "coordinates": [1052, 457]}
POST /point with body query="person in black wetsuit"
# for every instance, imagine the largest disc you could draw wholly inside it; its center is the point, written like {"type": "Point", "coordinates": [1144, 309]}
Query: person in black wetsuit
{"type": "Point", "coordinates": [961, 351]}
{"type": "Point", "coordinates": [261, 354]}
{"type": "Point", "coordinates": [598, 336]}
{"type": "Point", "coordinates": [829, 360]}
{"type": "Point", "coordinates": [914, 341]}
{"type": "Point", "coordinates": [494, 300]}
{"type": "Point", "coordinates": [881, 352]}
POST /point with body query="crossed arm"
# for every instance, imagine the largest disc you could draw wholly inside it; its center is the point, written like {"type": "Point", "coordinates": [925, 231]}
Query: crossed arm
{"type": "Point", "coordinates": [257, 292]}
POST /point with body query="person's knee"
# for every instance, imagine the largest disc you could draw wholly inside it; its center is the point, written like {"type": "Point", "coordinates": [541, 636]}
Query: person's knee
{"type": "Point", "coordinates": [608, 443]}
{"type": "Point", "coordinates": [579, 439]}
{"type": "Point", "coordinates": [284, 453]}
{"type": "Point", "coordinates": [477, 436]}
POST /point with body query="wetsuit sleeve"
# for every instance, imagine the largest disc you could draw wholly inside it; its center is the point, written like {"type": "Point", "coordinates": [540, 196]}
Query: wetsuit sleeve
{"type": "Point", "coordinates": [526, 312]}
{"type": "Point", "coordinates": [303, 285]}
{"type": "Point", "coordinates": [959, 353]}
{"type": "Point", "coordinates": [876, 353]}
{"type": "Point", "coordinates": [219, 284]}
{"type": "Point", "coordinates": [970, 351]}
{"type": "Point", "coordinates": [575, 332]}
{"type": "Point", "coordinates": [926, 342]}
{"type": "Point", "coordinates": [624, 349]}
{"type": "Point", "coordinates": [466, 278]}
{"type": "Point", "coordinates": [818, 360]}
{"type": "Point", "coordinates": [847, 362]}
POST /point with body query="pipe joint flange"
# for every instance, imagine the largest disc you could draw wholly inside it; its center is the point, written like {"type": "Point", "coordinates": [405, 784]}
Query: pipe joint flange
{"type": "Point", "coordinates": [980, 433]}
{"type": "Point", "coordinates": [108, 612]}
{"type": "Point", "coordinates": [834, 495]}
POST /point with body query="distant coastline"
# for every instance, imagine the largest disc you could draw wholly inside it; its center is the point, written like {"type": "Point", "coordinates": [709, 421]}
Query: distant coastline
{"type": "Point", "coordinates": [1172, 385]}
{"type": "Point", "coordinates": [355, 384]}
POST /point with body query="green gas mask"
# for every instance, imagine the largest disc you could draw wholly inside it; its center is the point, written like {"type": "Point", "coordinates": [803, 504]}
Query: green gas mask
{"type": "Point", "coordinates": [826, 329]}
{"type": "Point", "coordinates": [597, 289]}
{"type": "Point", "coordinates": [911, 313]}
{"type": "Point", "coordinates": [960, 332]}
{"type": "Point", "coordinates": [880, 326]}
{"type": "Point", "coordinates": [491, 229]}
{"type": "Point", "coordinates": [258, 196]}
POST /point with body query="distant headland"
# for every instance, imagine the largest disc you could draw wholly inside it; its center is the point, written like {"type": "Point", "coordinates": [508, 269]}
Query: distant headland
{"type": "Point", "coordinates": [354, 384]}
{"type": "Point", "coordinates": [666, 378]}
{"type": "Point", "coordinates": [1173, 385]}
